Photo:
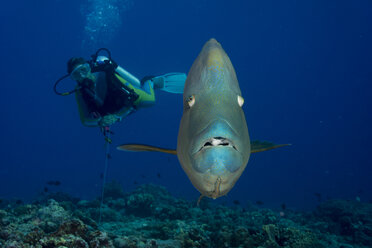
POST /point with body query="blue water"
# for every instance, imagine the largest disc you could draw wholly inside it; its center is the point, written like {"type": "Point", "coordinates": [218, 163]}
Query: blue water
{"type": "Point", "coordinates": [304, 68]}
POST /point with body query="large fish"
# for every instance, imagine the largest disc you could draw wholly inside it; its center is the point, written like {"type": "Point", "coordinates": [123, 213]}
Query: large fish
{"type": "Point", "coordinates": [213, 144]}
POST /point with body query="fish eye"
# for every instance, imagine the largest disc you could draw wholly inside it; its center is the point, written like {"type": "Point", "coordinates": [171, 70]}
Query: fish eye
{"type": "Point", "coordinates": [191, 100]}
{"type": "Point", "coordinates": [240, 100]}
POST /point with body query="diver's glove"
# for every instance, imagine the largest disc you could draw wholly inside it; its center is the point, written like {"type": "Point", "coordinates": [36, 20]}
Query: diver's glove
{"type": "Point", "coordinates": [108, 120]}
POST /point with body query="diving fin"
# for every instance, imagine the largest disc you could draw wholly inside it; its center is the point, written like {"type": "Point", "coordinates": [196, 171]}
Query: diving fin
{"type": "Point", "coordinates": [144, 148]}
{"type": "Point", "coordinates": [170, 82]}
{"type": "Point", "coordinates": [261, 146]}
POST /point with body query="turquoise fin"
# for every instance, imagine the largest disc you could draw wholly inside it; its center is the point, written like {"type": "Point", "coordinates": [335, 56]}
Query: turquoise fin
{"type": "Point", "coordinates": [170, 82]}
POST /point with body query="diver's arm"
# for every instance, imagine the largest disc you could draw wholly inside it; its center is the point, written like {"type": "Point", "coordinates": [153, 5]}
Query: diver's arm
{"type": "Point", "coordinates": [88, 118]}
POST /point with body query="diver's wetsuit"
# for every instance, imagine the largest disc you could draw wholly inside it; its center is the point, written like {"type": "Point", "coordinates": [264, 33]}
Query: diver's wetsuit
{"type": "Point", "coordinates": [110, 94]}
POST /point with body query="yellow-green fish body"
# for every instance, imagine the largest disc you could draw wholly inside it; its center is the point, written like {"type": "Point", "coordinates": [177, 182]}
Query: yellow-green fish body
{"type": "Point", "coordinates": [213, 142]}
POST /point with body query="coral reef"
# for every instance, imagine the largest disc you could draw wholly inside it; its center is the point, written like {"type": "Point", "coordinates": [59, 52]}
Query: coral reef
{"type": "Point", "coordinates": [149, 217]}
{"type": "Point", "coordinates": [350, 219]}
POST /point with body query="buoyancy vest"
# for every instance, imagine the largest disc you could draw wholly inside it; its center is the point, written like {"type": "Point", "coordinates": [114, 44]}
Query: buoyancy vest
{"type": "Point", "coordinates": [104, 95]}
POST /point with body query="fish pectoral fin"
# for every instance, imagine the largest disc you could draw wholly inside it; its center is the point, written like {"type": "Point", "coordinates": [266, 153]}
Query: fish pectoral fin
{"type": "Point", "coordinates": [144, 148]}
{"type": "Point", "coordinates": [261, 146]}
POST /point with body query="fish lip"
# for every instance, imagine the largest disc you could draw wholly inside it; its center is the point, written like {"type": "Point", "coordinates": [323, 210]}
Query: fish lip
{"type": "Point", "coordinates": [215, 140]}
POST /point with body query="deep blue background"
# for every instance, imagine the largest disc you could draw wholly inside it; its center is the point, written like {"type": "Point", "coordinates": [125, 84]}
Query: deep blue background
{"type": "Point", "coordinates": [304, 69]}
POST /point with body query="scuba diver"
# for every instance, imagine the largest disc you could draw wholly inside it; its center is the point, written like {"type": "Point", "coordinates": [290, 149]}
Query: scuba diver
{"type": "Point", "coordinates": [106, 93]}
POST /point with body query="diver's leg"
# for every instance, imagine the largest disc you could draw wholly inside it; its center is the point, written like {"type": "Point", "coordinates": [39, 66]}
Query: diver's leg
{"type": "Point", "coordinates": [146, 95]}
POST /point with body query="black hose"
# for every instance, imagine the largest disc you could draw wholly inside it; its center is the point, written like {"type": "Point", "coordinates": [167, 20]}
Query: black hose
{"type": "Point", "coordinates": [94, 57]}
{"type": "Point", "coordinates": [63, 93]}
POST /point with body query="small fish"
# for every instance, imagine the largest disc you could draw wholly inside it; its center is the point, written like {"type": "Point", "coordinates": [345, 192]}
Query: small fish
{"type": "Point", "coordinates": [236, 202]}
{"type": "Point", "coordinates": [283, 206]}
{"type": "Point", "coordinates": [18, 202]}
{"type": "Point", "coordinates": [135, 182]}
{"type": "Point", "coordinates": [109, 156]}
{"type": "Point", "coordinates": [101, 176]}
{"type": "Point", "coordinates": [259, 203]}
{"type": "Point", "coordinates": [158, 175]}
{"type": "Point", "coordinates": [46, 189]}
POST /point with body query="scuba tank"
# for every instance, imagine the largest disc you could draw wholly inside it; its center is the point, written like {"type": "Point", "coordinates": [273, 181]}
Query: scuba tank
{"type": "Point", "coordinates": [121, 72]}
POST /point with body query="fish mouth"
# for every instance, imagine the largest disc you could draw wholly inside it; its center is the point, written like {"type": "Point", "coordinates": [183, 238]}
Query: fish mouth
{"type": "Point", "coordinates": [217, 142]}
{"type": "Point", "coordinates": [217, 133]}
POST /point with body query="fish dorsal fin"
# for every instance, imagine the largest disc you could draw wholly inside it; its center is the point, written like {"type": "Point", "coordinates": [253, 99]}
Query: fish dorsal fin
{"type": "Point", "coordinates": [144, 148]}
{"type": "Point", "coordinates": [261, 146]}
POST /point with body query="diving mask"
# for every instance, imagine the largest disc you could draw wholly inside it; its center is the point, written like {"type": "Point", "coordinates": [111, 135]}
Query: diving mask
{"type": "Point", "coordinates": [80, 72]}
